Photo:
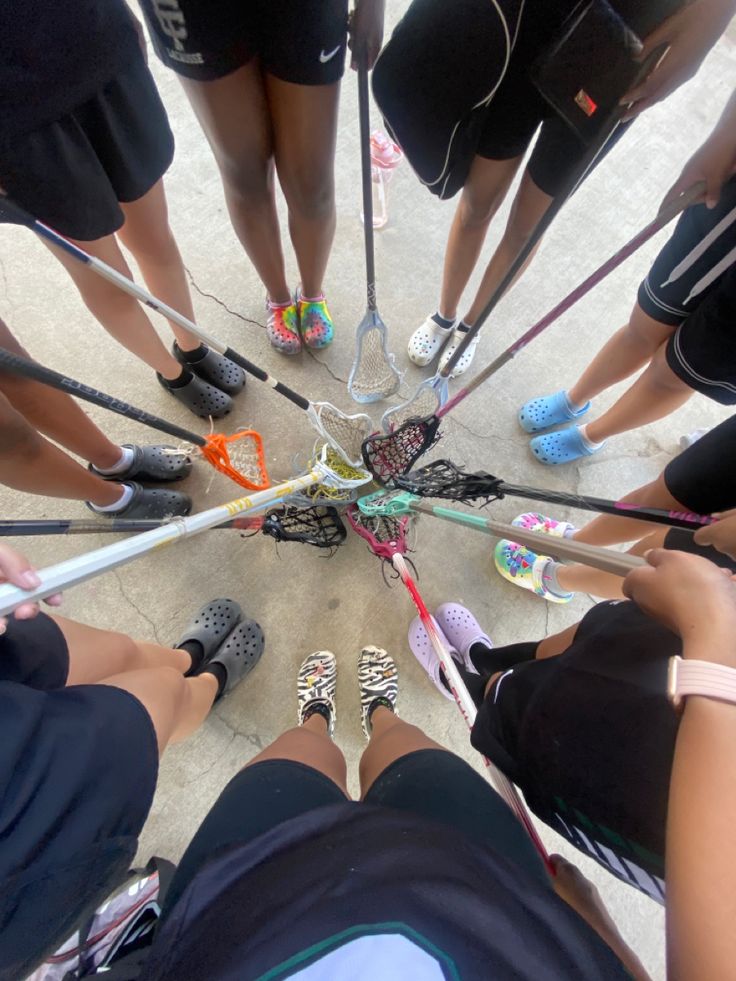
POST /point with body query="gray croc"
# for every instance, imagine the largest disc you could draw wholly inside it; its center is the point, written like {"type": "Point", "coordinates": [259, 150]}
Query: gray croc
{"type": "Point", "coordinates": [211, 626]}
{"type": "Point", "coordinates": [214, 368]}
{"type": "Point", "coordinates": [160, 462]}
{"type": "Point", "coordinates": [201, 398]}
{"type": "Point", "coordinates": [239, 654]}
{"type": "Point", "coordinates": [153, 503]}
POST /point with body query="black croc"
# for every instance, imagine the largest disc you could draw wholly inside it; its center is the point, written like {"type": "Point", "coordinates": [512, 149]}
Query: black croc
{"type": "Point", "coordinates": [158, 462]}
{"type": "Point", "coordinates": [240, 653]}
{"type": "Point", "coordinates": [203, 399]}
{"type": "Point", "coordinates": [153, 503]}
{"type": "Point", "coordinates": [211, 626]}
{"type": "Point", "coordinates": [214, 368]}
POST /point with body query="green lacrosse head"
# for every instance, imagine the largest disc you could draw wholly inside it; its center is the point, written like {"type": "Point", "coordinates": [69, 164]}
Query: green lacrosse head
{"type": "Point", "coordinates": [387, 502]}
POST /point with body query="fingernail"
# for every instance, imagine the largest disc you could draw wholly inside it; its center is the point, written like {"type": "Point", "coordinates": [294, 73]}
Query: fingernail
{"type": "Point", "coordinates": [30, 579]}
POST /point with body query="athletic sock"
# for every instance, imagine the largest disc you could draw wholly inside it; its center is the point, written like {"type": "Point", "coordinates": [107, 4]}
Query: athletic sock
{"type": "Point", "coordinates": [195, 650]}
{"type": "Point", "coordinates": [380, 701]}
{"type": "Point", "coordinates": [127, 455]}
{"type": "Point", "coordinates": [220, 676]}
{"type": "Point", "coordinates": [549, 578]}
{"type": "Point", "coordinates": [489, 660]}
{"type": "Point", "coordinates": [311, 299]}
{"type": "Point", "coordinates": [573, 406]}
{"type": "Point", "coordinates": [475, 683]}
{"type": "Point", "coordinates": [463, 327]}
{"type": "Point", "coordinates": [317, 708]}
{"type": "Point", "coordinates": [588, 443]}
{"type": "Point", "coordinates": [181, 381]}
{"type": "Point", "coordinates": [441, 321]}
{"type": "Point", "coordinates": [192, 357]}
{"type": "Point", "coordinates": [123, 502]}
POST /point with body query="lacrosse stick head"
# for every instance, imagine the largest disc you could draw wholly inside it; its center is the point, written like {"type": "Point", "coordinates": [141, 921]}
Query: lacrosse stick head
{"type": "Point", "coordinates": [388, 457]}
{"type": "Point", "coordinates": [386, 534]}
{"type": "Point", "coordinates": [386, 503]}
{"type": "Point", "coordinates": [335, 474]}
{"type": "Point", "coordinates": [444, 479]}
{"type": "Point", "coordinates": [239, 456]}
{"type": "Point", "coordinates": [344, 433]}
{"type": "Point", "coordinates": [318, 526]}
{"type": "Point", "coordinates": [374, 375]}
{"type": "Point", "coordinates": [430, 396]}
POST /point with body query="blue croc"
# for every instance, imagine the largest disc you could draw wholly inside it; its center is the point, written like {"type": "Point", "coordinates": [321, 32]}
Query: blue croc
{"type": "Point", "coordinates": [563, 446]}
{"type": "Point", "coordinates": [546, 411]}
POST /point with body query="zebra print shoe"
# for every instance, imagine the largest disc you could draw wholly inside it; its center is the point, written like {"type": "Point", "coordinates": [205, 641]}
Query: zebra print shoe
{"type": "Point", "coordinates": [316, 687]}
{"type": "Point", "coordinates": [379, 683]}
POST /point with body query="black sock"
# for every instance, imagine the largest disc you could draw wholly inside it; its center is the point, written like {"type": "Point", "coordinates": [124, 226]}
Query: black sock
{"type": "Point", "coordinates": [487, 661]}
{"type": "Point", "coordinates": [441, 321]}
{"type": "Point", "coordinates": [475, 683]}
{"type": "Point", "coordinates": [184, 378]}
{"type": "Point", "coordinates": [463, 327]}
{"type": "Point", "coordinates": [195, 650]}
{"type": "Point", "coordinates": [191, 357]}
{"type": "Point", "coordinates": [317, 708]}
{"type": "Point", "coordinates": [220, 675]}
{"type": "Point", "coordinates": [380, 701]}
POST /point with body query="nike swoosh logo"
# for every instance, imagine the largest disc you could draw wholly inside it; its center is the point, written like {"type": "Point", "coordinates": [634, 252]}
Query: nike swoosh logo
{"type": "Point", "coordinates": [327, 57]}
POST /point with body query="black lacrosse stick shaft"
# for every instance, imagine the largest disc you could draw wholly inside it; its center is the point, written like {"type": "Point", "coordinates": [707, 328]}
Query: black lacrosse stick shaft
{"type": "Point", "coordinates": [26, 528]}
{"type": "Point", "coordinates": [365, 170]}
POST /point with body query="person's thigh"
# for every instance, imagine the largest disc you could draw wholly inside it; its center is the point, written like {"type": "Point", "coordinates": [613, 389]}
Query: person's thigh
{"type": "Point", "coordinates": [94, 654]}
{"type": "Point", "coordinates": [303, 41]}
{"type": "Point", "coordinates": [441, 787]}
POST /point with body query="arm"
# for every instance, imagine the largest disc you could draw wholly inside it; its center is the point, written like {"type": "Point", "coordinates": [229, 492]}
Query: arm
{"type": "Point", "coordinates": [16, 569]}
{"type": "Point", "coordinates": [721, 535]}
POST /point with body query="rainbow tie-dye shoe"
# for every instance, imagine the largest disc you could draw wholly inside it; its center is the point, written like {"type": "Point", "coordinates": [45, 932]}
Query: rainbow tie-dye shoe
{"type": "Point", "coordinates": [282, 327]}
{"type": "Point", "coordinates": [315, 322]}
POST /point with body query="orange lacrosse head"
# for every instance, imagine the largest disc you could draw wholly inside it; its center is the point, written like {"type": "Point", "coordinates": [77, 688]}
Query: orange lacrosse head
{"type": "Point", "coordinates": [240, 457]}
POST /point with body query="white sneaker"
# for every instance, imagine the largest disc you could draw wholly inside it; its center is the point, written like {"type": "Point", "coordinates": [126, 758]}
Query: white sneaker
{"type": "Point", "coordinates": [466, 360]}
{"type": "Point", "coordinates": [427, 341]}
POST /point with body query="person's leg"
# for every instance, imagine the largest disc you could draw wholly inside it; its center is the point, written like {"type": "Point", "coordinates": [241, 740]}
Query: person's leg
{"type": "Point", "coordinates": [608, 529]}
{"type": "Point", "coordinates": [579, 578]}
{"type": "Point", "coordinates": [484, 191]}
{"type": "Point", "coordinates": [121, 316]}
{"type": "Point", "coordinates": [147, 234]}
{"type": "Point", "coordinates": [234, 114]}
{"type": "Point", "coordinates": [527, 209]}
{"type": "Point", "coordinates": [310, 745]}
{"type": "Point", "coordinates": [304, 119]}
{"type": "Point", "coordinates": [655, 394]}
{"type": "Point", "coordinates": [631, 347]}
{"type": "Point", "coordinates": [391, 738]}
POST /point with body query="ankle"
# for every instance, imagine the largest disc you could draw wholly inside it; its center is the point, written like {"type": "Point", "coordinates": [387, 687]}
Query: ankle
{"type": "Point", "coordinates": [108, 458]}
{"type": "Point", "coordinates": [108, 495]}
{"type": "Point", "coordinates": [591, 437]}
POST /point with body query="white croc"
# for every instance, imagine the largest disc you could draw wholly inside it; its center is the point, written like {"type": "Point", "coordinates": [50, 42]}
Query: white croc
{"type": "Point", "coordinates": [466, 360]}
{"type": "Point", "coordinates": [427, 341]}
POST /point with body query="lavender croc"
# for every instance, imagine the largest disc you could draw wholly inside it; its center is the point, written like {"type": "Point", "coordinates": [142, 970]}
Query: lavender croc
{"type": "Point", "coordinates": [462, 630]}
{"type": "Point", "coordinates": [548, 410]}
{"type": "Point", "coordinates": [421, 648]}
{"type": "Point", "coordinates": [562, 446]}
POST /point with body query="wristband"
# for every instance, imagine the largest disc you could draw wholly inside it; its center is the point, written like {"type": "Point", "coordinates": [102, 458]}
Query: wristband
{"type": "Point", "coordinates": [686, 677]}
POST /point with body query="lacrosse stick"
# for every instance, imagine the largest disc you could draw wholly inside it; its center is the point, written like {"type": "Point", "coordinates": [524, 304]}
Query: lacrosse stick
{"type": "Point", "coordinates": [328, 467]}
{"type": "Point", "coordinates": [396, 453]}
{"type": "Point", "coordinates": [443, 479]}
{"type": "Point", "coordinates": [239, 456]}
{"type": "Point", "coordinates": [386, 504]}
{"type": "Point", "coordinates": [318, 526]}
{"type": "Point", "coordinates": [373, 375]}
{"type": "Point", "coordinates": [386, 537]}
{"type": "Point", "coordinates": [343, 432]}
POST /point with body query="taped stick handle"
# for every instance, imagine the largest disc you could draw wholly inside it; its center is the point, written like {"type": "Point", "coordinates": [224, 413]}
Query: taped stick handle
{"type": "Point", "coordinates": [128, 286]}
{"type": "Point", "coordinates": [366, 181]}
{"type": "Point", "coordinates": [18, 365]}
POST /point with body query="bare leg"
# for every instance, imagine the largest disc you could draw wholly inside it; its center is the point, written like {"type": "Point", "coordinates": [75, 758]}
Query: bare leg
{"type": "Point", "coordinates": [627, 351]}
{"type": "Point", "coordinates": [309, 744]}
{"type": "Point", "coordinates": [147, 234]}
{"type": "Point", "coordinates": [391, 738]}
{"type": "Point", "coordinates": [304, 121]}
{"type": "Point", "coordinates": [234, 114]}
{"type": "Point", "coordinates": [121, 316]}
{"type": "Point", "coordinates": [608, 529]}
{"type": "Point", "coordinates": [529, 206]}
{"type": "Point", "coordinates": [28, 462]}
{"type": "Point", "coordinates": [656, 393]}
{"type": "Point", "coordinates": [485, 189]}
{"type": "Point", "coordinates": [584, 579]}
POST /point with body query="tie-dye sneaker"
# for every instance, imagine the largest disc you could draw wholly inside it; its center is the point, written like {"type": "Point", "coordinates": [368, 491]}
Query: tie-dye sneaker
{"type": "Point", "coordinates": [282, 327]}
{"type": "Point", "coordinates": [519, 565]}
{"type": "Point", "coordinates": [534, 521]}
{"type": "Point", "coordinates": [315, 322]}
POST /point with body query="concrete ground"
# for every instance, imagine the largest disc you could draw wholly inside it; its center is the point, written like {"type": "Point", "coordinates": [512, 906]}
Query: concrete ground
{"type": "Point", "coordinates": [303, 600]}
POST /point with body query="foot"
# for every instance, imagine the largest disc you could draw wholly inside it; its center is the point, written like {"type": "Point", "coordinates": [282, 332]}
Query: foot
{"type": "Point", "coordinates": [282, 327]}
{"type": "Point", "coordinates": [422, 649]}
{"type": "Point", "coordinates": [236, 657]}
{"type": "Point", "coordinates": [201, 398]}
{"type": "Point", "coordinates": [428, 339]}
{"type": "Point", "coordinates": [467, 358]}
{"type": "Point", "coordinates": [379, 683]}
{"type": "Point", "coordinates": [563, 446]}
{"type": "Point", "coordinates": [549, 410]}
{"type": "Point", "coordinates": [533, 521]}
{"type": "Point", "coordinates": [316, 688]}
{"type": "Point", "coordinates": [150, 463]}
{"type": "Point", "coordinates": [519, 565]}
{"type": "Point", "coordinates": [315, 322]}
{"type": "Point", "coordinates": [212, 367]}
{"type": "Point", "coordinates": [147, 503]}
{"type": "Point", "coordinates": [208, 629]}
{"type": "Point", "coordinates": [462, 631]}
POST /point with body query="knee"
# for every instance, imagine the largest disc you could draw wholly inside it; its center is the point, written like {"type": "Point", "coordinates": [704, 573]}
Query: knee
{"type": "Point", "coordinates": [662, 376]}
{"type": "Point", "coordinates": [126, 652]}
{"type": "Point", "coordinates": [16, 435]}
{"type": "Point", "coordinates": [310, 194]}
{"type": "Point", "coordinates": [645, 332]}
{"type": "Point", "coordinates": [250, 183]}
{"type": "Point", "coordinates": [476, 209]}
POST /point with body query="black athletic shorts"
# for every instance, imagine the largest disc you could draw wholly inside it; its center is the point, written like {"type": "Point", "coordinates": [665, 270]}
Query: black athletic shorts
{"type": "Point", "coordinates": [78, 769]}
{"type": "Point", "coordinates": [428, 782]}
{"type": "Point", "coordinates": [72, 173]}
{"type": "Point", "coordinates": [299, 41]}
{"type": "Point", "coordinates": [692, 286]}
{"type": "Point", "coordinates": [703, 477]}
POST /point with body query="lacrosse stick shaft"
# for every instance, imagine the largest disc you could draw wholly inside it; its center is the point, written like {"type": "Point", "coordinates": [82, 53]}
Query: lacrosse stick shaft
{"type": "Point", "coordinates": [18, 365]}
{"type": "Point", "coordinates": [79, 569]}
{"type": "Point", "coordinates": [617, 563]}
{"type": "Point", "coordinates": [465, 703]}
{"type": "Point", "coordinates": [21, 528]}
{"type": "Point", "coordinates": [365, 170]}
{"type": "Point", "coordinates": [664, 217]}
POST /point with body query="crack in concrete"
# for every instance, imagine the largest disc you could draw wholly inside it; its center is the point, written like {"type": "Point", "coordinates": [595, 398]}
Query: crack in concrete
{"type": "Point", "coordinates": [330, 372]}
{"type": "Point", "coordinates": [139, 611]}
{"type": "Point", "coordinates": [215, 762]}
{"type": "Point", "coordinates": [211, 296]}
